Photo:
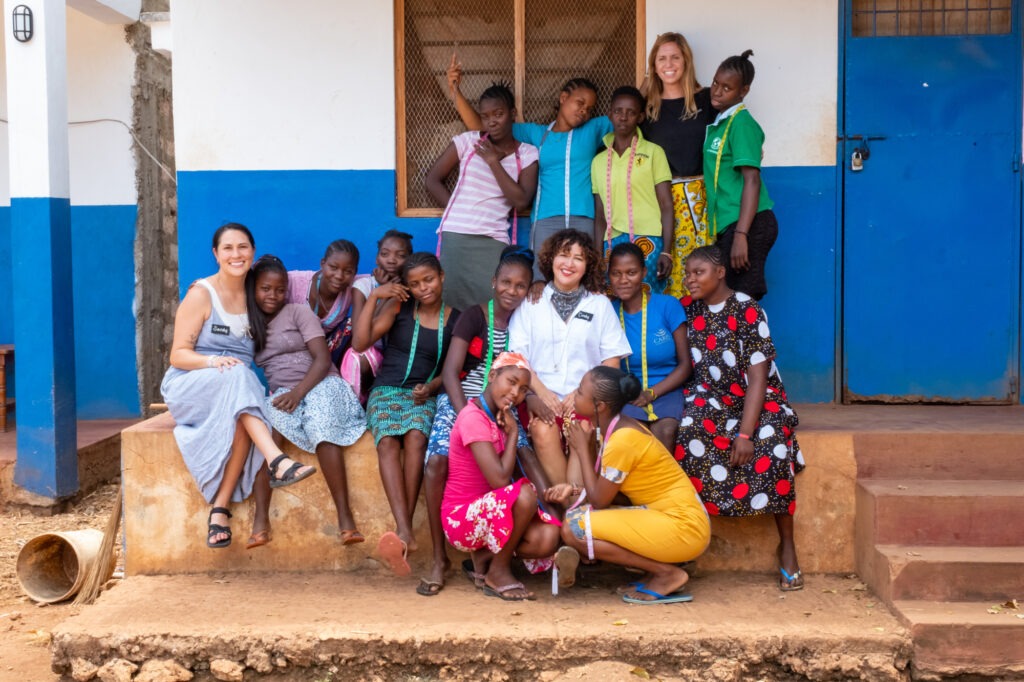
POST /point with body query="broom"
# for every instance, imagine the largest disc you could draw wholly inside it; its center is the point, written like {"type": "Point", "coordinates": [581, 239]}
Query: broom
{"type": "Point", "coordinates": [98, 572]}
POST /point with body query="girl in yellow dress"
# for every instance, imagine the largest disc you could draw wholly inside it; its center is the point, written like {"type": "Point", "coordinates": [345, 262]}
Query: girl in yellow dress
{"type": "Point", "coordinates": [666, 524]}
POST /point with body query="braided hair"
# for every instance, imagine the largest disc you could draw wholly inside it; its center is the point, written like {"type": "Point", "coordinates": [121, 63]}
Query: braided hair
{"type": "Point", "coordinates": [515, 255]}
{"type": "Point", "coordinates": [343, 246]}
{"type": "Point", "coordinates": [419, 259]}
{"type": "Point", "coordinates": [742, 65]}
{"type": "Point", "coordinates": [614, 387]}
{"type": "Point", "coordinates": [396, 234]}
{"type": "Point", "coordinates": [501, 91]}
{"type": "Point", "coordinates": [712, 253]}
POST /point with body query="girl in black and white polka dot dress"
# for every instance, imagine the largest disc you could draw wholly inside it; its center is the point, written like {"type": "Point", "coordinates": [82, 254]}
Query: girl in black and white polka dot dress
{"type": "Point", "coordinates": [736, 440]}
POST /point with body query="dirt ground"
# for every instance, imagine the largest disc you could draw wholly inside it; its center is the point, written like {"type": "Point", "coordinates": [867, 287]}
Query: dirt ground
{"type": "Point", "coordinates": [25, 627]}
{"type": "Point", "coordinates": [345, 618]}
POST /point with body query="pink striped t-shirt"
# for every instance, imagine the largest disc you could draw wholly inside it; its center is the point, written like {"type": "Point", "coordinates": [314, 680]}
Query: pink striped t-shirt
{"type": "Point", "coordinates": [478, 206]}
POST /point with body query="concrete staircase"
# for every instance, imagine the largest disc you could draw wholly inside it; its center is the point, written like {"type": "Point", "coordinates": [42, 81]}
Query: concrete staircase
{"type": "Point", "coordinates": [940, 538]}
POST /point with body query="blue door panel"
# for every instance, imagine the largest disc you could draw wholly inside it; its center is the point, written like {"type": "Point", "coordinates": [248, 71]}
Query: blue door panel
{"type": "Point", "coordinates": [931, 232]}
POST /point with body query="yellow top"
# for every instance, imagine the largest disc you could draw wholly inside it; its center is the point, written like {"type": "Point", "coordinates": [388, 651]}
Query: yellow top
{"type": "Point", "coordinates": [648, 475]}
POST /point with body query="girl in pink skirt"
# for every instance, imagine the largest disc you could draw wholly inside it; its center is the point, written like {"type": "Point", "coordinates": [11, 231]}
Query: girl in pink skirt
{"type": "Point", "coordinates": [483, 512]}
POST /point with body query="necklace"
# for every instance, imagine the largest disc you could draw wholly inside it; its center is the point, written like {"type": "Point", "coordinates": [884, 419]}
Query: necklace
{"type": "Point", "coordinates": [320, 297]}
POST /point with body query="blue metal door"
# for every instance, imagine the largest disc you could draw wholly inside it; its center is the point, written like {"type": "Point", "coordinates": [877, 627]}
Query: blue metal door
{"type": "Point", "coordinates": [932, 222]}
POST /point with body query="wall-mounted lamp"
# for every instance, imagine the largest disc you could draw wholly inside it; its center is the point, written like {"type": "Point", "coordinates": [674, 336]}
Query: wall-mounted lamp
{"type": "Point", "coordinates": [22, 23]}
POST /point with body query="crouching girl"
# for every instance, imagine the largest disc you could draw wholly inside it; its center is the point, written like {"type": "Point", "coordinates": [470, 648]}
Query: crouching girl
{"type": "Point", "coordinates": [668, 524]}
{"type": "Point", "coordinates": [482, 512]}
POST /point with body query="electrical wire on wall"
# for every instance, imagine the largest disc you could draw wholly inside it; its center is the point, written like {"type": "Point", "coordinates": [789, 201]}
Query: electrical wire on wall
{"type": "Point", "coordinates": [145, 150]}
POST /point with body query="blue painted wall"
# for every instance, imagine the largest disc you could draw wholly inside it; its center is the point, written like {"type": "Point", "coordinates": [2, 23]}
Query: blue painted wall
{"type": "Point", "coordinates": [103, 270]}
{"type": "Point", "coordinates": [294, 214]}
{"type": "Point", "coordinates": [103, 275]}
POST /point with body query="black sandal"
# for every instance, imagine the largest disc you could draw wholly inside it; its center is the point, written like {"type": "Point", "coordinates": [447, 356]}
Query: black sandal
{"type": "Point", "coordinates": [290, 474]}
{"type": "Point", "coordinates": [217, 529]}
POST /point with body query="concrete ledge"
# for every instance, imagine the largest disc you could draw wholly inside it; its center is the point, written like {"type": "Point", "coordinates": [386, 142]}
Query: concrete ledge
{"type": "Point", "coordinates": [165, 516]}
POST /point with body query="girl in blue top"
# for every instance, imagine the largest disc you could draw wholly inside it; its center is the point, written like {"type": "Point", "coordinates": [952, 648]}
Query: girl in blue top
{"type": "Point", "coordinates": [567, 146]}
{"type": "Point", "coordinates": [655, 326]}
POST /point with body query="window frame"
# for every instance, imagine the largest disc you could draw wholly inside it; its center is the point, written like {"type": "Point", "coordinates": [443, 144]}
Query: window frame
{"type": "Point", "coordinates": [402, 208]}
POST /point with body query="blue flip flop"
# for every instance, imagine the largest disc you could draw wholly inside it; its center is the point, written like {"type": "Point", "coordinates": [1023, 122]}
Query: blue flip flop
{"type": "Point", "coordinates": [674, 598]}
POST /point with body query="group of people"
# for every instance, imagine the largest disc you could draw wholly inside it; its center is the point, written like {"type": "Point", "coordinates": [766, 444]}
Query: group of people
{"type": "Point", "coordinates": [596, 401]}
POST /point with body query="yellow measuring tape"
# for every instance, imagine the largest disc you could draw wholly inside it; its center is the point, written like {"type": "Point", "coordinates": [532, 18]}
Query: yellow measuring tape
{"type": "Point", "coordinates": [643, 346]}
{"type": "Point", "coordinates": [718, 164]}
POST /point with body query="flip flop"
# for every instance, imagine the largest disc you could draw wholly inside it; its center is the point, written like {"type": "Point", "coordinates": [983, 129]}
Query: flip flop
{"type": "Point", "coordinates": [351, 537]}
{"type": "Point", "coordinates": [258, 539]}
{"type": "Point", "coordinates": [499, 592]}
{"type": "Point", "coordinates": [791, 583]}
{"type": "Point", "coordinates": [470, 572]}
{"type": "Point", "coordinates": [567, 560]}
{"type": "Point", "coordinates": [429, 588]}
{"type": "Point", "coordinates": [673, 598]}
{"type": "Point", "coordinates": [394, 552]}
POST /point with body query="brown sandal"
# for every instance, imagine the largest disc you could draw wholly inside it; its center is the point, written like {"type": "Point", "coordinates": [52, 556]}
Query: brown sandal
{"type": "Point", "coordinates": [351, 537]}
{"type": "Point", "coordinates": [258, 539]}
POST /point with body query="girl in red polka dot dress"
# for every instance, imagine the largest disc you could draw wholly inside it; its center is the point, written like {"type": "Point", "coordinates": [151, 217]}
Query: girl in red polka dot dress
{"type": "Point", "coordinates": [736, 440]}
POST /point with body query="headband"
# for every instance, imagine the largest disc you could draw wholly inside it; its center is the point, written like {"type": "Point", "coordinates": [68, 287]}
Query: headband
{"type": "Point", "coordinates": [510, 359]}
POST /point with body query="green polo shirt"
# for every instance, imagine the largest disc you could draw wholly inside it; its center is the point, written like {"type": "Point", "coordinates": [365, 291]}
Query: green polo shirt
{"type": "Point", "coordinates": [649, 168]}
{"type": "Point", "coordinates": [743, 147]}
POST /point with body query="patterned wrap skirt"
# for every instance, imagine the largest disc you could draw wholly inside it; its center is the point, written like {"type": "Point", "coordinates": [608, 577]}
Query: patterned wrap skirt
{"type": "Point", "coordinates": [391, 411]}
{"type": "Point", "coordinates": [330, 413]}
{"type": "Point", "coordinates": [689, 205]}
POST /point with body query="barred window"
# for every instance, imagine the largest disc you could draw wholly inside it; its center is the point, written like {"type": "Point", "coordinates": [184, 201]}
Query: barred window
{"type": "Point", "coordinates": [880, 18]}
{"type": "Point", "coordinates": [536, 45]}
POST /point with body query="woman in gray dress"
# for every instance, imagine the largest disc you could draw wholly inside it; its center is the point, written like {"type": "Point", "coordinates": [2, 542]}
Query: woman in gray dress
{"type": "Point", "coordinates": [213, 394]}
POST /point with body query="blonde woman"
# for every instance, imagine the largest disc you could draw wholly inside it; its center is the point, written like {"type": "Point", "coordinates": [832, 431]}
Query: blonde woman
{"type": "Point", "coordinates": [678, 113]}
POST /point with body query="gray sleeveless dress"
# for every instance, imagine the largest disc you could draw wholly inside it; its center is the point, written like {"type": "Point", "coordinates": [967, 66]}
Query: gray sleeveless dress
{"type": "Point", "coordinates": [206, 403]}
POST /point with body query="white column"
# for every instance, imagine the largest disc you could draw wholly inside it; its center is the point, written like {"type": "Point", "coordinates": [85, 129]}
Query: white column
{"type": "Point", "coordinates": [37, 102]}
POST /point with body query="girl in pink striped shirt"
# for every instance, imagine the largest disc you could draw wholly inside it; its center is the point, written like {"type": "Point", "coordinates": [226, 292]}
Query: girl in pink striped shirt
{"type": "Point", "coordinates": [497, 179]}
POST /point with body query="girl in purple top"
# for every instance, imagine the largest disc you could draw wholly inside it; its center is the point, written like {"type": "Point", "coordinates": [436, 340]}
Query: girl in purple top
{"type": "Point", "coordinates": [309, 404]}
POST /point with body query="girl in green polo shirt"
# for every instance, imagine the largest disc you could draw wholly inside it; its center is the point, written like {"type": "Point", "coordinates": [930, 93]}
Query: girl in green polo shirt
{"type": "Point", "coordinates": [739, 209]}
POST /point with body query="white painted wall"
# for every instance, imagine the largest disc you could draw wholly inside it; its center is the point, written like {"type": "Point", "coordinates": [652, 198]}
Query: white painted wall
{"type": "Point", "coordinates": [795, 44]}
{"type": "Point", "coordinates": [271, 85]}
{"type": "Point", "coordinates": [100, 72]}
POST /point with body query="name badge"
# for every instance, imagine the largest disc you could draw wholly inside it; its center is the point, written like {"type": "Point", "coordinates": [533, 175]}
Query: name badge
{"type": "Point", "coordinates": [220, 329]}
{"type": "Point", "coordinates": [585, 316]}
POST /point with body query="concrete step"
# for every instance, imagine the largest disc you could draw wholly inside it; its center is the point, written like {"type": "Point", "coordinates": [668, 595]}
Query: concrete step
{"type": "Point", "coordinates": [919, 572]}
{"type": "Point", "coordinates": [987, 513]}
{"type": "Point", "coordinates": [963, 638]}
{"type": "Point", "coordinates": [363, 626]}
{"type": "Point", "coordinates": [935, 454]}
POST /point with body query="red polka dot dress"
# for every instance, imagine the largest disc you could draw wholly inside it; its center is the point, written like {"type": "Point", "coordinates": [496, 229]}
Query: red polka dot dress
{"type": "Point", "coordinates": [726, 339]}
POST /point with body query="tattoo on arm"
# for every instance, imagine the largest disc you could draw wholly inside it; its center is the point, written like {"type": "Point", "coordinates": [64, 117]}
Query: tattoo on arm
{"type": "Point", "coordinates": [192, 339]}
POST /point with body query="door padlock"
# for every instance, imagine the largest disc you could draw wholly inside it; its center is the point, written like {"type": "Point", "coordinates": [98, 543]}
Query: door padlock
{"type": "Point", "coordinates": [856, 161]}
